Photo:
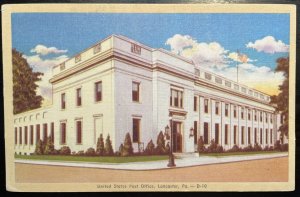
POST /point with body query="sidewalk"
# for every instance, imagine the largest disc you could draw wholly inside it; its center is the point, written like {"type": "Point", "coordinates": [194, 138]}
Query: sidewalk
{"type": "Point", "coordinates": [155, 165]}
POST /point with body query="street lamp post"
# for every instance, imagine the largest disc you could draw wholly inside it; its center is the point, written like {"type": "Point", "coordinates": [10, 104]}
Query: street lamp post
{"type": "Point", "coordinates": [169, 131]}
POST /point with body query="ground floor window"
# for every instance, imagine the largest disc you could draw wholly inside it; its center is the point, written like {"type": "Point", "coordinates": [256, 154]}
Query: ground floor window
{"type": "Point", "coordinates": [217, 133]}
{"type": "Point", "coordinates": [16, 135]}
{"type": "Point", "coordinates": [271, 136]}
{"type": "Point", "coordinates": [226, 133]}
{"type": "Point", "coordinates": [79, 131]}
{"type": "Point", "coordinates": [45, 132]}
{"type": "Point", "coordinates": [20, 135]}
{"type": "Point", "coordinates": [243, 135]}
{"type": "Point", "coordinates": [234, 134]}
{"type": "Point", "coordinates": [136, 130]}
{"type": "Point", "coordinates": [52, 132]}
{"type": "Point", "coordinates": [205, 133]}
{"type": "Point", "coordinates": [26, 135]}
{"type": "Point", "coordinates": [261, 141]}
{"type": "Point", "coordinates": [195, 132]}
{"type": "Point", "coordinates": [31, 134]}
{"type": "Point", "coordinates": [37, 133]}
{"type": "Point", "coordinates": [63, 132]}
{"type": "Point", "coordinates": [266, 136]}
{"type": "Point", "coordinates": [255, 135]}
{"type": "Point", "coordinates": [249, 135]}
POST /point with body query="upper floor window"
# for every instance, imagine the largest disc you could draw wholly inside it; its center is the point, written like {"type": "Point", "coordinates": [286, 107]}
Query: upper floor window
{"type": "Point", "coordinates": [208, 76]}
{"type": "Point", "coordinates": [226, 109]}
{"type": "Point", "coordinates": [98, 91]}
{"type": "Point", "coordinates": [62, 66]}
{"type": "Point", "coordinates": [63, 101]}
{"type": "Point", "coordinates": [176, 98]}
{"type": "Point", "coordinates": [217, 108]}
{"type": "Point", "coordinates": [97, 48]}
{"type": "Point", "coordinates": [78, 97]}
{"type": "Point", "coordinates": [135, 49]}
{"type": "Point", "coordinates": [195, 103]}
{"type": "Point", "coordinates": [236, 87]}
{"type": "Point", "coordinates": [218, 80]}
{"type": "Point", "coordinates": [206, 105]}
{"type": "Point", "coordinates": [135, 91]}
{"type": "Point", "coordinates": [77, 58]}
{"type": "Point", "coordinates": [228, 84]}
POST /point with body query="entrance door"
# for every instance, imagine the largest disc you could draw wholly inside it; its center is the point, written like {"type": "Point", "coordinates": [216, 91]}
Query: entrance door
{"type": "Point", "coordinates": [177, 137]}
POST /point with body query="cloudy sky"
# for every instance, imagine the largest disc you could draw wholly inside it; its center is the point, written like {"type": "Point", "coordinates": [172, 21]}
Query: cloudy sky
{"type": "Point", "coordinates": [210, 40]}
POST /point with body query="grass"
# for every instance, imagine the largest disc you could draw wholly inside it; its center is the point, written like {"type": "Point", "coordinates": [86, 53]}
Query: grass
{"type": "Point", "coordinates": [238, 153]}
{"type": "Point", "coordinates": [93, 159]}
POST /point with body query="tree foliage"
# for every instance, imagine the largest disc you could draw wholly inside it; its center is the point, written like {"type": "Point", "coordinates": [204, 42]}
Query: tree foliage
{"type": "Point", "coordinates": [100, 146]}
{"type": "Point", "coordinates": [282, 99]}
{"type": "Point", "coordinates": [160, 148]}
{"type": "Point", "coordinates": [49, 147]}
{"type": "Point", "coordinates": [24, 84]}
{"type": "Point", "coordinates": [108, 147]}
{"type": "Point", "coordinates": [127, 148]}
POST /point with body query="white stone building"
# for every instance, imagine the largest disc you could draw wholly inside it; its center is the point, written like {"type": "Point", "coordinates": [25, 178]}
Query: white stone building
{"type": "Point", "coordinates": [120, 85]}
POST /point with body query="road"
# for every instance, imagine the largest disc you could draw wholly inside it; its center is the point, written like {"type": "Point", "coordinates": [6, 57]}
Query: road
{"type": "Point", "coordinates": [265, 170]}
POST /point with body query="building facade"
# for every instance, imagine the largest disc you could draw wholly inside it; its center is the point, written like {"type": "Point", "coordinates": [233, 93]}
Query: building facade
{"type": "Point", "coordinates": [119, 86]}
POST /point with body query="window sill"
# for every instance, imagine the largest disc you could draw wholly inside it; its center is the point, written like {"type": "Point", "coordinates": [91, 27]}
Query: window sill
{"type": "Point", "coordinates": [137, 102]}
{"type": "Point", "coordinates": [97, 102]}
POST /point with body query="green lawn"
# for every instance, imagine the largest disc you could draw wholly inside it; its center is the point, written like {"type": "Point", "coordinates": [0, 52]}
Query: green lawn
{"type": "Point", "coordinates": [93, 159]}
{"type": "Point", "coordinates": [238, 153]}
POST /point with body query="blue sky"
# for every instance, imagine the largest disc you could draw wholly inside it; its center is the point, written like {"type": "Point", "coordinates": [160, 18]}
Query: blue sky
{"type": "Point", "coordinates": [75, 32]}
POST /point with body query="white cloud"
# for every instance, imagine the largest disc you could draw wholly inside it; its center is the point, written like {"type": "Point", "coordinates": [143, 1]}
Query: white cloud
{"type": "Point", "coordinates": [43, 50]}
{"type": "Point", "coordinates": [44, 66]}
{"type": "Point", "coordinates": [268, 44]}
{"type": "Point", "coordinates": [203, 54]}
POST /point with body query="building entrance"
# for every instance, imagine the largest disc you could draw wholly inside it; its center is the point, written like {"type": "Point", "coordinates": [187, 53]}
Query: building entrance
{"type": "Point", "coordinates": [177, 137]}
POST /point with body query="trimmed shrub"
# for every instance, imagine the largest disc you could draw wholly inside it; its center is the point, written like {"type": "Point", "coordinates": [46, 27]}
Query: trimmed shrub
{"type": "Point", "coordinates": [80, 153]}
{"type": "Point", "coordinates": [73, 153]}
{"type": "Point", "coordinates": [65, 150]}
{"type": "Point", "coordinates": [266, 148]}
{"type": "Point", "coordinates": [49, 147]}
{"type": "Point", "coordinates": [284, 147]}
{"type": "Point", "coordinates": [100, 146]}
{"type": "Point", "coordinates": [271, 148]}
{"type": "Point", "coordinates": [121, 149]}
{"type": "Point", "coordinates": [108, 147]}
{"type": "Point", "coordinates": [160, 148]}
{"type": "Point", "coordinates": [127, 148]}
{"type": "Point", "coordinates": [212, 147]}
{"type": "Point", "coordinates": [277, 146]}
{"type": "Point", "coordinates": [150, 148]}
{"type": "Point", "coordinates": [39, 147]}
{"type": "Point", "coordinates": [235, 148]}
{"type": "Point", "coordinates": [257, 147]}
{"type": "Point", "coordinates": [219, 149]}
{"type": "Point", "coordinates": [248, 148]}
{"type": "Point", "coordinates": [201, 148]}
{"type": "Point", "coordinates": [90, 152]}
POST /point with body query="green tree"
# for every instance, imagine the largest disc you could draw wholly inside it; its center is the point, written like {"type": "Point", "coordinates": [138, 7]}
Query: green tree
{"type": "Point", "coordinates": [108, 147]}
{"type": "Point", "coordinates": [281, 100]}
{"type": "Point", "coordinates": [49, 147]}
{"type": "Point", "coordinates": [150, 148]}
{"type": "Point", "coordinates": [100, 146]}
{"type": "Point", "coordinates": [39, 147]}
{"type": "Point", "coordinates": [127, 148]}
{"type": "Point", "coordinates": [24, 84]}
{"type": "Point", "coordinates": [160, 148]}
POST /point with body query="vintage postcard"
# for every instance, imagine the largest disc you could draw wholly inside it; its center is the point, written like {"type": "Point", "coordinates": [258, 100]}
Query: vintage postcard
{"type": "Point", "coordinates": [144, 97]}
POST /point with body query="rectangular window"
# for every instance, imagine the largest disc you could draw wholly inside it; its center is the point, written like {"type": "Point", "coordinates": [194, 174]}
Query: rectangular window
{"type": "Point", "coordinates": [271, 136]}
{"type": "Point", "coordinates": [271, 118]}
{"type": "Point", "coordinates": [31, 134]}
{"type": "Point", "coordinates": [228, 84]}
{"type": "Point", "coordinates": [77, 58]}
{"type": "Point", "coordinates": [266, 115]}
{"type": "Point", "coordinates": [249, 135]}
{"type": "Point", "coordinates": [207, 76]}
{"type": "Point", "coordinates": [242, 113]}
{"type": "Point", "coordinates": [234, 111]}
{"type": "Point", "coordinates": [226, 110]}
{"type": "Point", "coordinates": [261, 135]}
{"type": "Point", "coordinates": [78, 96]}
{"type": "Point", "coordinates": [195, 103]}
{"type": "Point", "coordinates": [267, 136]}
{"type": "Point", "coordinates": [176, 98]}
{"type": "Point", "coordinates": [98, 91]}
{"type": "Point", "coordinates": [97, 48]}
{"type": "Point", "coordinates": [20, 135]}
{"type": "Point", "coordinates": [205, 133]}
{"type": "Point", "coordinates": [135, 91]}
{"type": "Point", "coordinates": [217, 108]}
{"type": "Point", "coordinates": [255, 135]}
{"type": "Point", "coordinates": [45, 132]}
{"type": "Point", "coordinates": [195, 132]}
{"type": "Point", "coordinates": [243, 135]}
{"type": "Point", "coordinates": [261, 116]}
{"type": "Point", "coordinates": [234, 134]}
{"type": "Point", "coordinates": [206, 105]}
{"type": "Point", "coordinates": [136, 130]}
{"type": "Point", "coordinates": [16, 135]}
{"type": "Point", "coordinates": [136, 49]}
{"type": "Point", "coordinates": [52, 132]}
{"type": "Point", "coordinates": [63, 132]}
{"type": "Point", "coordinates": [217, 133]}
{"type": "Point", "coordinates": [37, 130]}
{"type": "Point", "coordinates": [226, 133]}
{"type": "Point", "coordinates": [63, 101]}
{"type": "Point", "coordinates": [26, 135]}
{"type": "Point", "coordinates": [79, 131]}
{"type": "Point", "coordinates": [249, 114]}
{"type": "Point", "coordinates": [255, 115]}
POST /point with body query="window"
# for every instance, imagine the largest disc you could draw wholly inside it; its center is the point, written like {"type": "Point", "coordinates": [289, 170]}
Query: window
{"type": "Point", "coordinates": [234, 134]}
{"type": "Point", "coordinates": [135, 49]}
{"type": "Point", "coordinates": [255, 115]}
{"type": "Point", "coordinates": [208, 76]}
{"type": "Point", "coordinates": [206, 105]}
{"type": "Point", "coordinates": [26, 135]}
{"type": "Point", "coordinates": [271, 136]}
{"type": "Point", "coordinates": [243, 135]}
{"type": "Point", "coordinates": [226, 133]}
{"type": "Point", "coordinates": [217, 108]}
{"type": "Point", "coordinates": [136, 130]}
{"type": "Point", "coordinates": [62, 66]}
{"type": "Point", "coordinates": [226, 110]}
{"type": "Point", "coordinates": [242, 113]}
{"type": "Point", "coordinates": [255, 135]}
{"type": "Point", "coordinates": [261, 116]}
{"type": "Point", "coordinates": [218, 80]}
{"type": "Point", "coordinates": [79, 131]}
{"type": "Point", "coordinates": [195, 103]}
{"type": "Point", "coordinates": [249, 135]}
{"type": "Point", "coordinates": [63, 101]}
{"type": "Point", "coordinates": [98, 91]}
{"type": "Point", "coordinates": [195, 132]}
{"type": "Point", "coordinates": [228, 84]}
{"type": "Point", "coordinates": [205, 133]}
{"type": "Point", "coordinates": [16, 135]}
{"type": "Point", "coordinates": [31, 134]}
{"type": "Point", "coordinates": [52, 132]}
{"type": "Point", "coordinates": [78, 97]}
{"type": "Point", "coordinates": [267, 136]}
{"type": "Point", "coordinates": [97, 48]}
{"type": "Point", "coordinates": [77, 58]}
{"type": "Point", "coordinates": [271, 118]}
{"type": "Point", "coordinates": [45, 132]}
{"type": "Point", "coordinates": [234, 111]}
{"type": "Point", "coordinates": [176, 98]}
{"type": "Point", "coordinates": [244, 90]}
{"type": "Point", "coordinates": [249, 114]}
{"type": "Point", "coordinates": [63, 132]}
{"type": "Point", "coordinates": [217, 133]}
{"type": "Point", "coordinates": [135, 91]}
{"type": "Point", "coordinates": [261, 135]}
{"type": "Point", "coordinates": [20, 135]}
{"type": "Point", "coordinates": [236, 87]}
{"type": "Point", "coordinates": [37, 130]}
{"type": "Point", "coordinates": [266, 115]}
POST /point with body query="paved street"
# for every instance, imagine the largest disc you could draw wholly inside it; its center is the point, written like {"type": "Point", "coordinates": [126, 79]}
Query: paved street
{"type": "Point", "coordinates": [262, 170]}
